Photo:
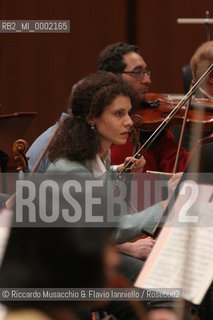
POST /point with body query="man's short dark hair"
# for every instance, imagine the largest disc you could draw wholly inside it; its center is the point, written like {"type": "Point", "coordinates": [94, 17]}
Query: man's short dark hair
{"type": "Point", "coordinates": [111, 58]}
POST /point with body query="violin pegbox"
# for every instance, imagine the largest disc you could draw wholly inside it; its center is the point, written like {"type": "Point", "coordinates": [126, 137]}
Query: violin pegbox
{"type": "Point", "coordinates": [20, 148]}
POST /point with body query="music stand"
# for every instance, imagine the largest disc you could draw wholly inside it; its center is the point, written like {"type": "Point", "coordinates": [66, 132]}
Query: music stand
{"type": "Point", "coordinates": [206, 21]}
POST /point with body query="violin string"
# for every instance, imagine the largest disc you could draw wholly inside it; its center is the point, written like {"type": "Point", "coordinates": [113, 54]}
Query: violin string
{"type": "Point", "coordinates": [170, 116]}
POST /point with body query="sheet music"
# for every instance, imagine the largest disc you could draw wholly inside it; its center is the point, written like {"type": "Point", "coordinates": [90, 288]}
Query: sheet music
{"type": "Point", "coordinates": [183, 256]}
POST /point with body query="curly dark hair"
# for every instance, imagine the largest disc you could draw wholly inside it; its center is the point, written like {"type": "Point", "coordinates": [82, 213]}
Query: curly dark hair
{"type": "Point", "coordinates": [111, 58]}
{"type": "Point", "coordinates": [76, 139]}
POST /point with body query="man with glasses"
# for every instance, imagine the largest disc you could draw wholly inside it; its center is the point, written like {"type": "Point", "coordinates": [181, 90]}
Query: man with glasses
{"type": "Point", "coordinates": [142, 77]}
{"type": "Point", "coordinates": [126, 60]}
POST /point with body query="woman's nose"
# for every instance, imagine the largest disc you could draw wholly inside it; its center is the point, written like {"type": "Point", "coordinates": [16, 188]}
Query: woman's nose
{"type": "Point", "coordinates": [128, 122]}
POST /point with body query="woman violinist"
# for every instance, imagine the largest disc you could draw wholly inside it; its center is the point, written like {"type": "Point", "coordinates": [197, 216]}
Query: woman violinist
{"type": "Point", "coordinates": [100, 106]}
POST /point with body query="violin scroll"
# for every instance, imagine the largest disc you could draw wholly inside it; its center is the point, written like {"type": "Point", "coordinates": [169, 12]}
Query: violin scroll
{"type": "Point", "coordinates": [137, 120]}
{"type": "Point", "coordinates": [20, 147]}
{"type": "Point", "coordinates": [137, 123]}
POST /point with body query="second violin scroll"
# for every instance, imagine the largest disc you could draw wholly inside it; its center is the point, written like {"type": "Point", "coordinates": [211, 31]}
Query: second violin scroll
{"type": "Point", "coordinates": [20, 147]}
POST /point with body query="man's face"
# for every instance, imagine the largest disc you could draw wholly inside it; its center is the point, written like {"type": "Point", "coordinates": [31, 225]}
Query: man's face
{"type": "Point", "coordinates": [139, 81]}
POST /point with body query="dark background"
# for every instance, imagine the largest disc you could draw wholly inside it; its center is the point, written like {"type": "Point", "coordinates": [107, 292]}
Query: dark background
{"type": "Point", "coordinates": [38, 70]}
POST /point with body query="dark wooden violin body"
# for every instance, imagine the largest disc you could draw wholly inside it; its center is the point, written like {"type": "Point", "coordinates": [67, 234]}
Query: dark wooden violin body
{"type": "Point", "coordinates": [158, 106]}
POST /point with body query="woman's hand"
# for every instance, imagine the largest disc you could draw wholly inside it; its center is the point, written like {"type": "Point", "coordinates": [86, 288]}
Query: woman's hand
{"type": "Point", "coordinates": [172, 184]}
{"type": "Point", "coordinates": [141, 248]}
{"type": "Point", "coordinates": [137, 163]}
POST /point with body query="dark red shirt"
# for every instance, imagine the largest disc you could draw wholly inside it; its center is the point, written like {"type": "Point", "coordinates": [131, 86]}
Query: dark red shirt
{"type": "Point", "coordinates": [159, 157]}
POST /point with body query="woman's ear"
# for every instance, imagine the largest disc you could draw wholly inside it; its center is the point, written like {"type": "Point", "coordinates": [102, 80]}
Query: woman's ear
{"type": "Point", "coordinates": [91, 121]}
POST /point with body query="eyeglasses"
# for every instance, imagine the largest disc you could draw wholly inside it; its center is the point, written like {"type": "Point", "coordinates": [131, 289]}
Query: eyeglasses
{"type": "Point", "coordinates": [139, 73]}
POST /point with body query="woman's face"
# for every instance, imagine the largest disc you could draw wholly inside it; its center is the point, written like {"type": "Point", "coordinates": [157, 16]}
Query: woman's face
{"type": "Point", "coordinates": [114, 123]}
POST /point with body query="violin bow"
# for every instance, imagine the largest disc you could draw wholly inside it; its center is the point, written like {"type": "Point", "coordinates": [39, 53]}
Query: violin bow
{"type": "Point", "coordinates": [182, 130]}
{"type": "Point", "coordinates": [166, 121]}
{"type": "Point", "coordinates": [47, 146]}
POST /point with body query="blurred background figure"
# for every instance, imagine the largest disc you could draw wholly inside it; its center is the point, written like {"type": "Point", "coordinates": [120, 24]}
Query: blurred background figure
{"type": "Point", "coordinates": [53, 257]}
{"type": "Point", "coordinates": [200, 62]}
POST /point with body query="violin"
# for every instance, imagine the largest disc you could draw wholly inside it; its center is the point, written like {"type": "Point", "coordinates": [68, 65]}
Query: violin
{"type": "Point", "coordinates": [167, 118]}
{"type": "Point", "coordinates": [158, 106]}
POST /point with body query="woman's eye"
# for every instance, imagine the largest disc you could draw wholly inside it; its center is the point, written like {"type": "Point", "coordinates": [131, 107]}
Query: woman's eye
{"type": "Point", "coordinates": [118, 114]}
